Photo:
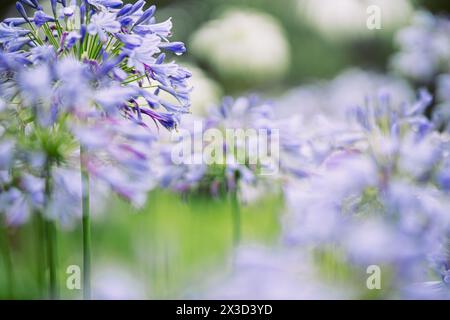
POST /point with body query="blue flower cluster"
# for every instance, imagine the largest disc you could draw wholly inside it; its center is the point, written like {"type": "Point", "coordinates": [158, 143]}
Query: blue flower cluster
{"type": "Point", "coordinates": [99, 45]}
{"type": "Point", "coordinates": [383, 196]}
{"type": "Point", "coordinates": [89, 76]}
{"type": "Point", "coordinates": [373, 190]}
{"type": "Point", "coordinates": [368, 182]}
{"type": "Point", "coordinates": [245, 126]}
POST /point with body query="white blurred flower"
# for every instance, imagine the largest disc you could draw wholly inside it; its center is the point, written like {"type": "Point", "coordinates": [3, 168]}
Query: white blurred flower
{"type": "Point", "coordinates": [245, 44]}
{"type": "Point", "coordinates": [112, 282]}
{"type": "Point", "coordinates": [348, 18]}
{"type": "Point", "coordinates": [205, 93]}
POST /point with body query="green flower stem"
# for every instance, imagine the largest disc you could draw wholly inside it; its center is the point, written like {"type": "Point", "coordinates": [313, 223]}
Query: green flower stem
{"type": "Point", "coordinates": [93, 47]}
{"type": "Point", "coordinates": [50, 235]}
{"type": "Point", "coordinates": [40, 253]}
{"type": "Point", "coordinates": [236, 217]}
{"type": "Point", "coordinates": [50, 232]}
{"type": "Point", "coordinates": [51, 241]}
{"type": "Point", "coordinates": [86, 230]}
{"type": "Point", "coordinates": [49, 34]}
{"type": "Point", "coordinates": [133, 79]}
{"type": "Point", "coordinates": [8, 264]}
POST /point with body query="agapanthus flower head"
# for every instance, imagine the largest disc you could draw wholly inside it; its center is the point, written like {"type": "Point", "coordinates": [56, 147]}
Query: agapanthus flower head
{"type": "Point", "coordinates": [99, 41]}
{"type": "Point", "coordinates": [318, 114]}
{"type": "Point", "coordinates": [239, 144]}
{"type": "Point", "coordinates": [88, 75]}
{"type": "Point", "coordinates": [379, 201]}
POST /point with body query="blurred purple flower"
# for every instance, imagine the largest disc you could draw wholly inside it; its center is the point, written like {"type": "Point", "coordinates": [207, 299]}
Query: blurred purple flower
{"type": "Point", "coordinates": [117, 153]}
{"type": "Point", "coordinates": [378, 202]}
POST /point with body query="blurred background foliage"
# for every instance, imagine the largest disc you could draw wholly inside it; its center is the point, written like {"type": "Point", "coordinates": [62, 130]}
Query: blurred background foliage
{"type": "Point", "coordinates": [313, 56]}
{"type": "Point", "coordinates": [168, 246]}
{"type": "Point", "coordinates": [164, 250]}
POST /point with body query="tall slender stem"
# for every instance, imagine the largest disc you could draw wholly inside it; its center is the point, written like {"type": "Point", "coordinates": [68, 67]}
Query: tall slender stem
{"type": "Point", "coordinates": [50, 234]}
{"type": "Point", "coordinates": [86, 229]}
{"type": "Point", "coordinates": [7, 261]}
{"type": "Point", "coordinates": [40, 252]}
{"type": "Point", "coordinates": [236, 216]}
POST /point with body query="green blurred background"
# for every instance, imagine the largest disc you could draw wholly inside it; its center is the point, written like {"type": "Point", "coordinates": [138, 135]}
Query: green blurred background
{"type": "Point", "coordinates": [313, 56]}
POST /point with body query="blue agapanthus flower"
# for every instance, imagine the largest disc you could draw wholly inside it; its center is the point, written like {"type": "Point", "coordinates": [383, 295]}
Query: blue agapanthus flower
{"type": "Point", "coordinates": [21, 192]}
{"type": "Point", "coordinates": [93, 32]}
{"type": "Point", "coordinates": [252, 149]}
{"type": "Point", "coordinates": [377, 199]}
{"type": "Point", "coordinates": [118, 155]}
{"type": "Point", "coordinates": [87, 75]}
